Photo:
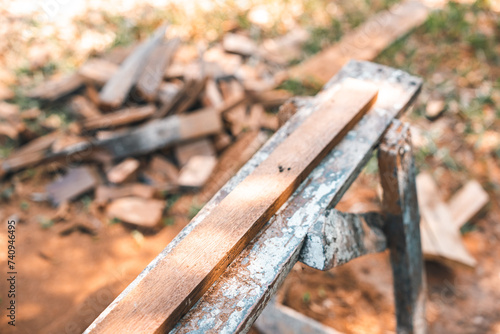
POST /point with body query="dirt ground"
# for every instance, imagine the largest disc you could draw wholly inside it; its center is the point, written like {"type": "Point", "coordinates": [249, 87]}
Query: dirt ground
{"type": "Point", "coordinates": [70, 271]}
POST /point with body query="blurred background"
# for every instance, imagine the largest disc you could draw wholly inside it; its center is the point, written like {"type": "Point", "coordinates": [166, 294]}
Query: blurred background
{"type": "Point", "coordinates": [74, 256]}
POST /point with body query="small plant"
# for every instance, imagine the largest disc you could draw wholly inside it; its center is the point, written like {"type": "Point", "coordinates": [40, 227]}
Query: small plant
{"type": "Point", "coordinates": [45, 223]}
{"type": "Point", "coordinates": [24, 206]}
{"type": "Point", "coordinates": [168, 221]}
{"type": "Point", "coordinates": [306, 297]}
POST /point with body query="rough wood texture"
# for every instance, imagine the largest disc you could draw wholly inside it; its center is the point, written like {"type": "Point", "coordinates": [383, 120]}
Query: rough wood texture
{"type": "Point", "coordinates": [136, 210]}
{"type": "Point", "coordinates": [402, 221]}
{"type": "Point", "coordinates": [254, 276]}
{"type": "Point", "coordinates": [116, 89]}
{"type": "Point", "coordinates": [196, 172]}
{"type": "Point", "coordinates": [467, 202]}
{"type": "Point", "coordinates": [364, 43]}
{"type": "Point", "coordinates": [82, 106]}
{"type": "Point", "coordinates": [124, 171]}
{"type": "Point", "coordinates": [441, 239]}
{"type": "Point", "coordinates": [190, 269]}
{"type": "Point", "coordinates": [337, 238]}
{"type": "Point", "coordinates": [56, 88]}
{"type": "Point", "coordinates": [151, 78]}
{"type": "Point", "coordinates": [98, 71]}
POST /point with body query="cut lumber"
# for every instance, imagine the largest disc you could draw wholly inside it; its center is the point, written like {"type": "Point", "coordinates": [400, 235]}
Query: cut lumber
{"type": "Point", "coordinates": [98, 71]}
{"type": "Point", "coordinates": [75, 183]}
{"type": "Point", "coordinates": [82, 106]}
{"type": "Point", "coordinates": [186, 151]}
{"type": "Point", "coordinates": [117, 88]}
{"type": "Point", "coordinates": [232, 160]}
{"type": "Point", "coordinates": [124, 171]}
{"type": "Point", "coordinates": [364, 43]}
{"type": "Point", "coordinates": [441, 239]}
{"type": "Point", "coordinates": [183, 276]}
{"type": "Point", "coordinates": [164, 132]}
{"type": "Point", "coordinates": [196, 172]}
{"type": "Point", "coordinates": [467, 202]}
{"type": "Point", "coordinates": [56, 88]}
{"type": "Point", "coordinates": [104, 194]}
{"type": "Point", "coordinates": [119, 117]}
{"type": "Point", "coordinates": [151, 78]}
{"type": "Point", "coordinates": [137, 211]}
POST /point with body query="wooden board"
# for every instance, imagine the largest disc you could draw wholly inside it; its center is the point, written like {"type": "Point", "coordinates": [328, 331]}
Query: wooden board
{"type": "Point", "coordinates": [440, 237]}
{"type": "Point", "coordinates": [119, 117]}
{"type": "Point", "coordinates": [116, 89]}
{"type": "Point", "coordinates": [174, 285]}
{"type": "Point", "coordinates": [161, 133]}
{"type": "Point", "coordinates": [364, 43]}
{"type": "Point", "coordinates": [75, 183]}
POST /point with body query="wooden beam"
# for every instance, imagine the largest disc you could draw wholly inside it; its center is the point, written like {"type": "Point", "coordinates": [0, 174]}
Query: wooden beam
{"type": "Point", "coordinates": [117, 88]}
{"type": "Point", "coordinates": [174, 285]}
{"type": "Point", "coordinates": [402, 221]}
{"type": "Point", "coordinates": [365, 42]}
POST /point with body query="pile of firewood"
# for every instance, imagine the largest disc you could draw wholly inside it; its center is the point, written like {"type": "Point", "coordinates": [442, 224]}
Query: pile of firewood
{"type": "Point", "coordinates": [156, 118]}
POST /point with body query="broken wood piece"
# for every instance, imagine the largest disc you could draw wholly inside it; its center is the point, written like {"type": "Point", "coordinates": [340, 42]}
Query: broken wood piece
{"type": "Point", "coordinates": [222, 141]}
{"type": "Point", "coordinates": [434, 108]}
{"type": "Point", "coordinates": [66, 141]}
{"type": "Point", "coordinates": [228, 228]}
{"type": "Point", "coordinates": [467, 202]}
{"type": "Point", "coordinates": [440, 237]}
{"type": "Point", "coordinates": [98, 71]}
{"type": "Point", "coordinates": [270, 98]}
{"type": "Point", "coordinates": [119, 117]}
{"type": "Point", "coordinates": [365, 42]}
{"type": "Point", "coordinates": [116, 89]}
{"type": "Point", "coordinates": [104, 194]}
{"type": "Point", "coordinates": [212, 97]}
{"type": "Point", "coordinates": [138, 211]}
{"type": "Point", "coordinates": [194, 87]}
{"type": "Point", "coordinates": [164, 132]}
{"type": "Point", "coordinates": [240, 44]}
{"type": "Point", "coordinates": [161, 173]}
{"type": "Point", "coordinates": [76, 182]}
{"type": "Point", "coordinates": [124, 171]}
{"type": "Point", "coordinates": [56, 88]}
{"type": "Point", "coordinates": [185, 151]}
{"type": "Point", "coordinates": [196, 172]}
{"type": "Point", "coordinates": [82, 106]}
{"type": "Point", "coordinates": [151, 77]}
{"type": "Point", "coordinates": [168, 92]}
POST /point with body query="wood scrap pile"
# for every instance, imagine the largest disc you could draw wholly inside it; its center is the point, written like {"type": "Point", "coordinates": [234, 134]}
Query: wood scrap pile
{"type": "Point", "coordinates": [151, 120]}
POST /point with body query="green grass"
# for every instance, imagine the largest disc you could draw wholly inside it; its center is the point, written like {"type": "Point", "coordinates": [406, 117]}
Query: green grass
{"type": "Point", "coordinates": [298, 88]}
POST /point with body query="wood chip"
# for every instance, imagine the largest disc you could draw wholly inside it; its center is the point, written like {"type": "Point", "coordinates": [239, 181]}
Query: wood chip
{"type": "Point", "coordinates": [137, 211]}
{"type": "Point", "coordinates": [56, 88]}
{"type": "Point", "coordinates": [98, 71]}
{"type": "Point", "coordinates": [240, 44]}
{"type": "Point", "coordinates": [197, 171]}
{"type": "Point", "coordinates": [104, 194]}
{"type": "Point", "coordinates": [83, 107]}
{"type": "Point", "coordinates": [162, 173]}
{"type": "Point", "coordinates": [124, 171]}
{"type": "Point", "coordinates": [434, 108]}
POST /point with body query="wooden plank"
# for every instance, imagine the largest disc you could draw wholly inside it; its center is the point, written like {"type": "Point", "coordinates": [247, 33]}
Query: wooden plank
{"type": "Point", "coordinates": [441, 239]}
{"type": "Point", "coordinates": [119, 117]}
{"type": "Point", "coordinates": [402, 220]}
{"type": "Point", "coordinates": [237, 219]}
{"type": "Point", "coordinates": [149, 81]}
{"type": "Point", "coordinates": [467, 202]}
{"type": "Point", "coordinates": [75, 183]}
{"type": "Point", "coordinates": [365, 42]}
{"type": "Point", "coordinates": [161, 133]}
{"type": "Point", "coordinates": [185, 151]}
{"type": "Point", "coordinates": [117, 88]}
